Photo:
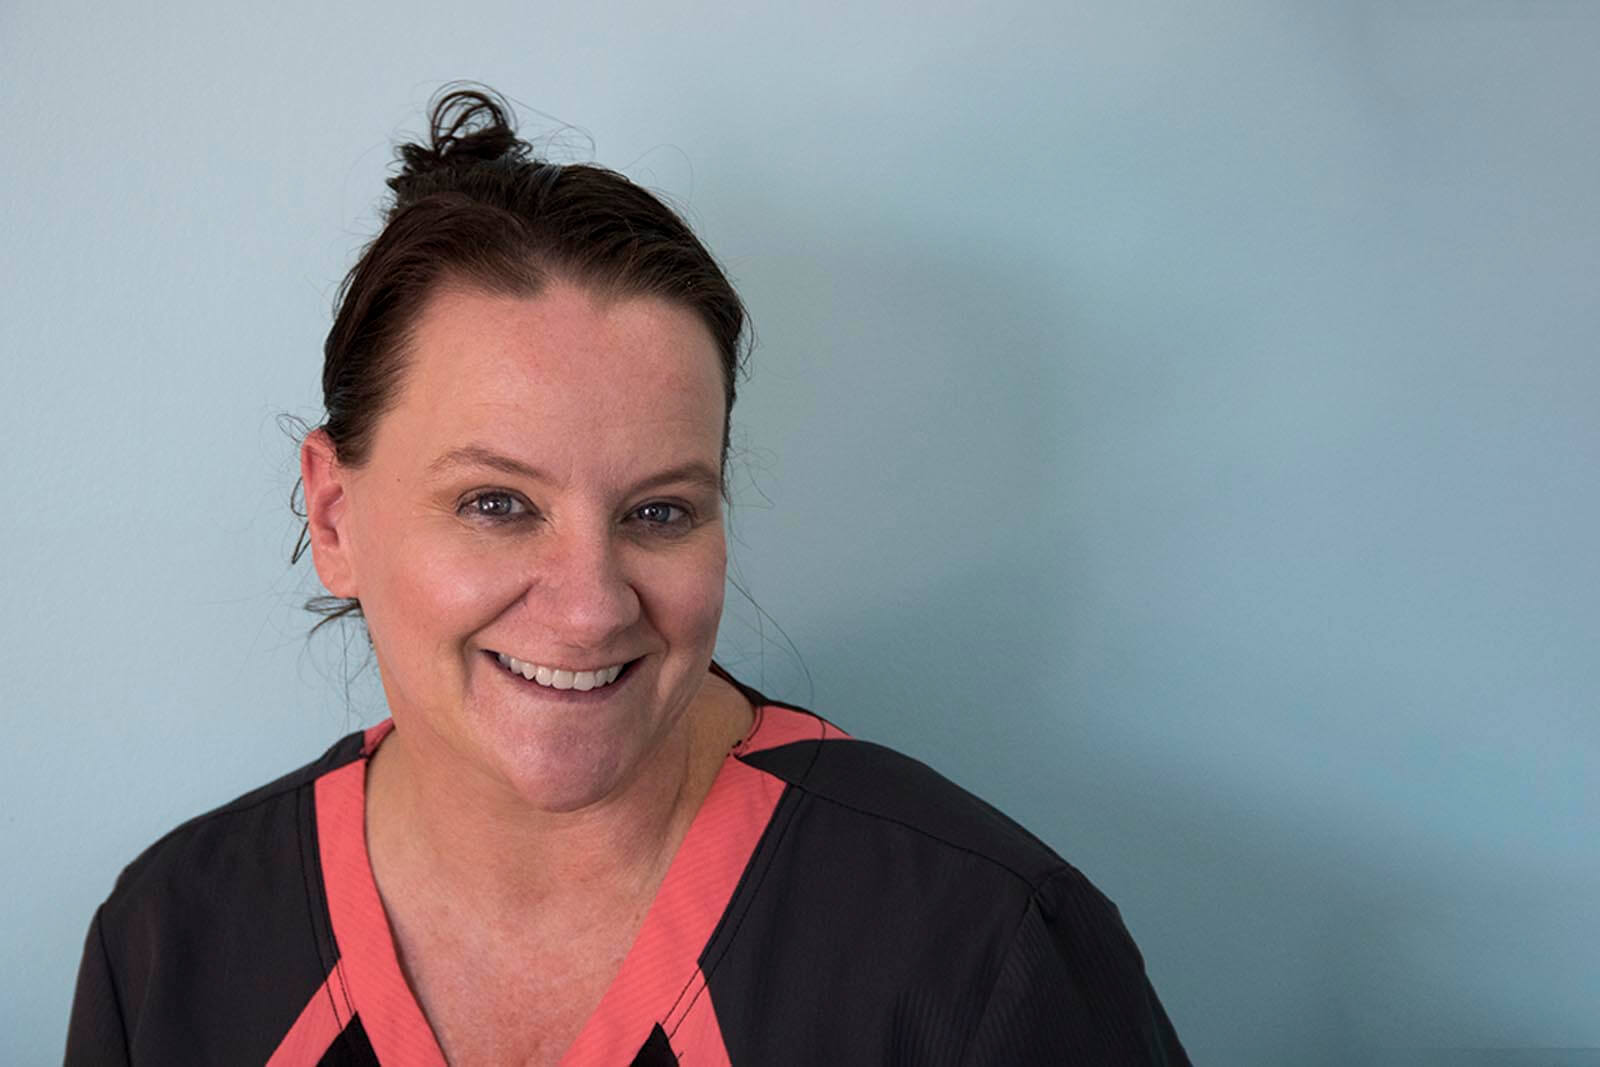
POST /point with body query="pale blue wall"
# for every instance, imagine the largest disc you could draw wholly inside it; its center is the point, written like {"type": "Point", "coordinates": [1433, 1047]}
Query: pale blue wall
{"type": "Point", "coordinates": [1176, 422]}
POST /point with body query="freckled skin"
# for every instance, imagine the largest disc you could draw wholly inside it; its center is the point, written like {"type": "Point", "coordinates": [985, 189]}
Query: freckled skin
{"type": "Point", "coordinates": [598, 397]}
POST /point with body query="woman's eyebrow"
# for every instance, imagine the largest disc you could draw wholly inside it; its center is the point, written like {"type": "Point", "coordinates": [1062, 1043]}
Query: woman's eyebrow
{"type": "Point", "coordinates": [694, 472]}
{"type": "Point", "coordinates": [479, 456]}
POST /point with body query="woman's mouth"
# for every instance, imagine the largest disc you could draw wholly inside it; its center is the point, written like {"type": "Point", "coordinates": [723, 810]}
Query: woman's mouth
{"type": "Point", "coordinates": [560, 677]}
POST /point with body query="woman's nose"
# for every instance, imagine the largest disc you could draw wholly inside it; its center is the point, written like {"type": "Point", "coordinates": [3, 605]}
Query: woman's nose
{"type": "Point", "coordinates": [584, 593]}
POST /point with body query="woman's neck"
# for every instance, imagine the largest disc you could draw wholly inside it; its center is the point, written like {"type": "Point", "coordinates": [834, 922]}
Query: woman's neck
{"type": "Point", "coordinates": [430, 833]}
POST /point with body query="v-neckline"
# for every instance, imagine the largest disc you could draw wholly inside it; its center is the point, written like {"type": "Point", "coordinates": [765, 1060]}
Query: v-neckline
{"type": "Point", "coordinates": [660, 983]}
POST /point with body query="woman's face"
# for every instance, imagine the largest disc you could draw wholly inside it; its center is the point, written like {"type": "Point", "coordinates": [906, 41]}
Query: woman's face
{"type": "Point", "coordinates": [542, 498]}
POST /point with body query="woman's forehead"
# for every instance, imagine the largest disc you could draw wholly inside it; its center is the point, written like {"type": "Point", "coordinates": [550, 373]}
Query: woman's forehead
{"type": "Point", "coordinates": [557, 371]}
{"type": "Point", "coordinates": [566, 335]}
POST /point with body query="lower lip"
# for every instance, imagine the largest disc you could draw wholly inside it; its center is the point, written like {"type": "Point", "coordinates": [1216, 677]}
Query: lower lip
{"type": "Point", "coordinates": [571, 696]}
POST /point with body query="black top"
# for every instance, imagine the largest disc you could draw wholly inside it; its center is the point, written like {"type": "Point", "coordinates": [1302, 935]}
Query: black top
{"type": "Point", "coordinates": [834, 902]}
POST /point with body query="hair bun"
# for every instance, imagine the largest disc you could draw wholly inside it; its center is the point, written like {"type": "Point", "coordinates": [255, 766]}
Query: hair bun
{"type": "Point", "coordinates": [469, 127]}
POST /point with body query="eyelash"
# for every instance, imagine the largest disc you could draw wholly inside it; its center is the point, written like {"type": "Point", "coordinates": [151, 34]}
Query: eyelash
{"type": "Point", "coordinates": [469, 508]}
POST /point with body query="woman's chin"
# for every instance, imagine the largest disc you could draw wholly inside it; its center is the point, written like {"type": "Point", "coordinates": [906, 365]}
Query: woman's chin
{"type": "Point", "coordinates": [559, 783]}
{"type": "Point", "coordinates": [562, 762]}
{"type": "Point", "coordinates": [561, 751]}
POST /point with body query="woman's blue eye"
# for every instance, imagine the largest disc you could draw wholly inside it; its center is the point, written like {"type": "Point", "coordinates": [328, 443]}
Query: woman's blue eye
{"type": "Point", "coordinates": [661, 514]}
{"type": "Point", "coordinates": [494, 505]}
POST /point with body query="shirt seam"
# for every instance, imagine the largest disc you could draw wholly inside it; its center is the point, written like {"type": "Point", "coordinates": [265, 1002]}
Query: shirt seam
{"type": "Point", "coordinates": [1011, 950]}
{"type": "Point", "coordinates": [231, 808]}
{"type": "Point", "coordinates": [339, 1001]}
{"type": "Point", "coordinates": [111, 975]}
{"type": "Point", "coordinates": [742, 900]}
{"type": "Point", "coordinates": [1059, 868]}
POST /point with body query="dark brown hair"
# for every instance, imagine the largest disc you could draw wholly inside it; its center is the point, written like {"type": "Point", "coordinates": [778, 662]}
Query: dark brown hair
{"type": "Point", "coordinates": [476, 206]}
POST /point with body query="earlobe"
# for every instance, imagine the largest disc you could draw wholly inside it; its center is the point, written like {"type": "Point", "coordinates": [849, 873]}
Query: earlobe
{"type": "Point", "coordinates": [324, 480]}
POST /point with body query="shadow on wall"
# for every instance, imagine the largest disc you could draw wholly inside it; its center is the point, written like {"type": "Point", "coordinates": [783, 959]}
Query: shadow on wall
{"type": "Point", "coordinates": [1274, 933]}
{"type": "Point", "coordinates": [950, 608]}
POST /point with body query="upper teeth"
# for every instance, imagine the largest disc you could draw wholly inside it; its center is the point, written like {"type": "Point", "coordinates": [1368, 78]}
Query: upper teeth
{"type": "Point", "coordinates": [556, 678]}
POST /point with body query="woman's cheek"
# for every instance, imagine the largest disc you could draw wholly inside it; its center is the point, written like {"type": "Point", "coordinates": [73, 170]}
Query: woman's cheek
{"type": "Point", "coordinates": [695, 590]}
{"type": "Point", "coordinates": [452, 585]}
{"type": "Point", "coordinates": [474, 580]}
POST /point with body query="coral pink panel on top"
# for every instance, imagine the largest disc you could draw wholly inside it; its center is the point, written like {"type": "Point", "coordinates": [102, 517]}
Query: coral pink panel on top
{"type": "Point", "coordinates": [660, 980]}
{"type": "Point", "coordinates": [368, 968]}
{"type": "Point", "coordinates": [782, 726]}
{"type": "Point", "coordinates": [696, 1037]}
{"type": "Point", "coordinates": [373, 734]}
{"type": "Point", "coordinates": [320, 1022]}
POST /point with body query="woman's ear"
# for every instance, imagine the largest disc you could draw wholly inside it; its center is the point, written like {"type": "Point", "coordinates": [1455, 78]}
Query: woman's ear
{"type": "Point", "coordinates": [327, 511]}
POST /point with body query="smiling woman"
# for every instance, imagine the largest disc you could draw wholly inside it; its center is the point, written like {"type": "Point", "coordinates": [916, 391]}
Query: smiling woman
{"type": "Point", "coordinates": [577, 839]}
{"type": "Point", "coordinates": [543, 488]}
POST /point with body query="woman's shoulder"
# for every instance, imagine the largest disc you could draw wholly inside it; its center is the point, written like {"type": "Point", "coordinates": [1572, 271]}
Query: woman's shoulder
{"type": "Point", "coordinates": [222, 918]}
{"type": "Point", "coordinates": [920, 917]}
{"type": "Point", "coordinates": [233, 836]}
{"type": "Point", "coordinates": [882, 792]}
